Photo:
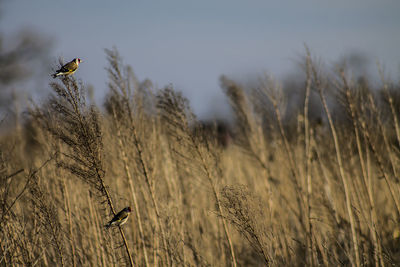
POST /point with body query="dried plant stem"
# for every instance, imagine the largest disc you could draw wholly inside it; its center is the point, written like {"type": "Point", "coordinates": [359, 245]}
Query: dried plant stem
{"type": "Point", "coordinates": [394, 114]}
{"type": "Point", "coordinates": [291, 158]}
{"type": "Point", "coordinates": [98, 171]}
{"type": "Point", "coordinates": [110, 204]}
{"type": "Point", "coordinates": [155, 253]}
{"type": "Point", "coordinates": [17, 197]}
{"type": "Point", "coordinates": [69, 220]}
{"type": "Point", "coordinates": [97, 243]}
{"type": "Point", "coordinates": [340, 165]}
{"type": "Point", "coordinates": [133, 193]}
{"type": "Point", "coordinates": [120, 86]}
{"type": "Point", "coordinates": [177, 116]}
{"type": "Point", "coordinates": [379, 159]}
{"type": "Point", "coordinates": [391, 104]}
{"type": "Point", "coordinates": [48, 217]}
{"type": "Point", "coordinates": [289, 153]}
{"type": "Point", "coordinates": [58, 247]}
{"type": "Point", "coordinates": [395, 121]}
{"type": "Point", "coordinates": [78, 127]}
{"type": "Point", "coordinates": [367, 185]}
{"type": "Point", "coordinates": [307, 149]}
{"type": "Point", "coordinates": [217, 200]}
{"type": "Point", "coordinates": [226, 231]}
{"type": "Point", "coordinates": [152, 194]}
{"type": "Point", "coordinates": [146, 175]}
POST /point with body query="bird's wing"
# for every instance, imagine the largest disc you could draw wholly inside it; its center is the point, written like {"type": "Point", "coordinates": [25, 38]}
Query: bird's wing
{"type": "Point", "coordinates": [120, 216]}
{"type": "Point", "coordinates": [70, 66]}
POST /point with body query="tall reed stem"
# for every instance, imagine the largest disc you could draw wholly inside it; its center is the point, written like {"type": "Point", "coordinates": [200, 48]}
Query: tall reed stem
{"type": "Point", "coordinates": [343, 176]}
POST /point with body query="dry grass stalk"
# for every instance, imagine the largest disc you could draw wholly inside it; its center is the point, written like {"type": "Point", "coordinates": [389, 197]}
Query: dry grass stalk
{"type": "Point", "coordinates": [121, 97]}
{"type": "Point", "coordinates": [307, 148]}
{"type": "Point", "coordinates": [245, 212]}
{"type": "Point", "coordinates": [78, 127]}
{"type": "Point", "coordinates": [193, 149]}
{"type": "Point", "coordinates": [320, 88]}
{"type": "Point", "coordinates": [48, 217]}
{"type": "Point", "coordinates": [351, 102]}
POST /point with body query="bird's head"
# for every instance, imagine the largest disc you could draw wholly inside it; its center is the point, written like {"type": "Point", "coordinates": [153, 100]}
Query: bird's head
{"type": "Point", "coordinates": [128, 209]}
{"type": "Point", "coordinates": [78, 60]}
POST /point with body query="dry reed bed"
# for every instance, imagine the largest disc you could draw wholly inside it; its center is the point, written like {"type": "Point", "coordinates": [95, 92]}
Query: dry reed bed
{"type": "Point", "coordinates": [286, 190]}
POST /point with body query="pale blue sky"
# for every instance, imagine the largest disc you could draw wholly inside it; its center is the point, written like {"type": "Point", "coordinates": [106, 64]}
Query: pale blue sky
{"type": "Point", "coordinates": [191, 43]}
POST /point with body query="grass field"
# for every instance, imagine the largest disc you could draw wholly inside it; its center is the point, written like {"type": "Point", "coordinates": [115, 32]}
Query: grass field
{"type": "Point", "coordinates": [308, 184]}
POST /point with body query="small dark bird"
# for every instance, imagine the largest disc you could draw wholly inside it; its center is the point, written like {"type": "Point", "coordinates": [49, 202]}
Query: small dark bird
{"type": "Point", "coordinates": [120, 218]}
{"type": "Point", "coordinates": [68, 68]}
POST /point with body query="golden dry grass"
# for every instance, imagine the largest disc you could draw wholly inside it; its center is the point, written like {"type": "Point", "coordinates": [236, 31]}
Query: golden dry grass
{"type": "Point", "coordinates": [285, 191]}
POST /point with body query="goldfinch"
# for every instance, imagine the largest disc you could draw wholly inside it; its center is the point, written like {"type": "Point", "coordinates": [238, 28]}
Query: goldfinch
{"type": "Point", "coordinates": [68, 68]}
{"type": "Point", "coordinates": [120, 218]}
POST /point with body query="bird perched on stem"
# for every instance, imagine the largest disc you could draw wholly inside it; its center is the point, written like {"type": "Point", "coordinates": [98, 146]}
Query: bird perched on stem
{"type": "Point", "coordinates": [68, 68]}
{"type": "Point", "coordinates": [120, 218]}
